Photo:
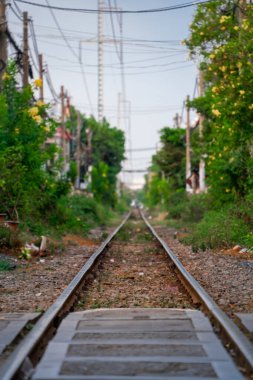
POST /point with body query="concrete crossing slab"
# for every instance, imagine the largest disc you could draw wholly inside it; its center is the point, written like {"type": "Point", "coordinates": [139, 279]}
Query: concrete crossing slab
{"type": "Point", "coordinates": [140, 344]}
{"type": "Point", "coordinates": [247, 320]}
{"type": "Point", "coordinates": [11, 325]}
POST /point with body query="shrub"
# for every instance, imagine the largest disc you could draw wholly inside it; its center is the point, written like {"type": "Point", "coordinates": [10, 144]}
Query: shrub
{"type": "Point", "coordinates": [9, 238]}
{"type": "Point", "coordinates": [218, 229]}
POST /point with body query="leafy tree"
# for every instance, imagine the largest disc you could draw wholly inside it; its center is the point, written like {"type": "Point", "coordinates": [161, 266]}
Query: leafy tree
{"type": "Point", "coordinates": [24, 129]}
{"type": "Point", "coordinates": [221, 37]}
{"type": "Point", "coordinates": [170, 159]}
{"type": "Point", "coordinates": [167, 172]}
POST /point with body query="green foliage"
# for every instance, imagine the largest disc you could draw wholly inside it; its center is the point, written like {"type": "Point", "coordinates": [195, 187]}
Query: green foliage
{"type": "Point", "coordinates": [170, 159]}
{"type": "Point", "coordinates": [72, 173]}
{"type": "Point", "coordinates": [157, 191]}
{"type": "Point", "coordinates": [188, 208]}
{"type": "Point", "coordinates": [5, 265]}
{"type": "Point", "coordinates": [224, 44]}
{"type": "Point", "coordinates": [24, 129]}
{"type": "Point", "coordinates": [168, 169]}
{"type": "Point", "coordinates": [9, 238]}
{"type": "Point", "coordinates": [78, 213]}
{"type": "Point", "coordinates": [218, 229]}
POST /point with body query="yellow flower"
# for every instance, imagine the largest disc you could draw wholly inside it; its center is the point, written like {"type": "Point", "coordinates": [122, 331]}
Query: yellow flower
{"type": "Point", "coordinates": [40, 103]}
{"type": "Point", "coordinates": [223, 28]}
{"type": "Point", "coordinates": [212, 56]}
{"type": "Point", "coordinates": [17, 131]}
{"type": "Point", "coordinates": [33, 111]}
{"type": "Point", "coordinates": [245, 24]}
{"type": "Point", "coordinates": [223, 19]}
{"type": "Point", "coordinates": [46, 128]}
{"type": "Point", "coordinates": [220, 155]}
{"type": "Point", "coordinates": [221, 178]}
{"type": "Point", "coordinates": [6, 76]}
{"type": "Point", "coordinates": [251, 106]}
{"type": "Point", "coordinates": [216, 112]}
{"type": "Point", "coordinates": [236, 27]}
{"type": "Point", "coordinates": [242, 92]}
{"type": "Point", "coordinates": [215, 89]}
{"type": "Point", "coordinates": [227, 190]}
{"type": "Point", "coordinates": [223, 68]}
{"type": "Point", "coordinates": [38, 83]}
{"type": "Point", "coordinates": [37, 118]}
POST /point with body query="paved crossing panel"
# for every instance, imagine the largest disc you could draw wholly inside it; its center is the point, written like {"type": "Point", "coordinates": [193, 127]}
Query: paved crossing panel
{"type": "Point", "coordinates": [11, 325]}
{"type": "Point", "coordinates": [140, 344]}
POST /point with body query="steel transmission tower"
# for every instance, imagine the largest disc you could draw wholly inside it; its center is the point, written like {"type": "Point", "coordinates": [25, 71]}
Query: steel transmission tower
{"type": "Point", "coordinates": [100, 60]}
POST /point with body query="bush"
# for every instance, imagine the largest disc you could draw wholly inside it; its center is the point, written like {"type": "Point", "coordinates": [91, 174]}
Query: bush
{"type": "Point", "coordinates": [188, 208]}
{"type": "Point", "coordinates": [9, 238]}
{"type": "Point", "coordinates": [78, 213]}
{"type": "Point", "coordinates": [218, 229]}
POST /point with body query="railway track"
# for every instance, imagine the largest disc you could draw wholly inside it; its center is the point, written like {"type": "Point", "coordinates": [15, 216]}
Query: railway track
{"type": "Point", "coordinates": [146, 275]}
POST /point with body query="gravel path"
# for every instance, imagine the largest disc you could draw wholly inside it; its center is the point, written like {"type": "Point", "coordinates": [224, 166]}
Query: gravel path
{"type": "Point", "coordinates": [225, 275]}
{"type": "Point", "coordinates": [34, 285]}
{"type": "Point", "coordinates": [135, 273]}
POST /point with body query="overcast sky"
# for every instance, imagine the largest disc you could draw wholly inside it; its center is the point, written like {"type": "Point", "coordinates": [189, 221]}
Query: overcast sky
{"type": "Point", "coordinates": [158, 73]}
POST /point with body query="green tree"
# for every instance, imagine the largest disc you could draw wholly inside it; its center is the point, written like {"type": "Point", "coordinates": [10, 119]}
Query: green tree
{"type": "Point", "coordinates": [221, 37]}
{"type": "Point", "coordinates": [24, 129]}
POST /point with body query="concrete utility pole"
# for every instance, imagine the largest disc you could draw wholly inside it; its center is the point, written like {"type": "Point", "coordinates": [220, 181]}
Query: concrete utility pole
{"type": "Point", "coordinates": [41, 70]}
{"type": "Point", "coordinates": [63, 128]}
{"type": "Point", "coordinates": [25, 50]}
{"type": "Point", "coordinates": [202, 185]}
{"type": "Point", "coordinates": [3, 38]}
{"type": "Point", "coordinates": [78, 149]}
{"type": "Point", "coordinates": [188, 143]}
{"type": "Point", "coordinates": [177, 120]}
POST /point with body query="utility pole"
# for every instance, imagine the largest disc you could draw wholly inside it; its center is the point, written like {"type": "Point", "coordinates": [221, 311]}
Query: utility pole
{"type": "Point", "coordinates": [41, 71]}
{"type": "Point", "coordinates": [100, 61]}
{"type": "Point", "coordinates": [202, 185]}
{"type": "Point", "coordinates": [3, 38]}
{"type": "Point", "coordinates": [188, 143]}
{"type": "Point", "coordinates": [25, 50]}
{"type": "Point", "coordinates": [119, 110]}
{"type": "Point", "coordinates": [63, 129]}
{"type": "Point", "coordinates": [78, 149]}
{"type": "Point", "coordinates": [177, 120]}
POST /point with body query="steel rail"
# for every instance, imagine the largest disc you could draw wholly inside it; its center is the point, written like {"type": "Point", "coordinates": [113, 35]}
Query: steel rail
{"type": "Point", "coordinates": [232, 332]}
{"type": "Point", "coordinates": [19, 356]}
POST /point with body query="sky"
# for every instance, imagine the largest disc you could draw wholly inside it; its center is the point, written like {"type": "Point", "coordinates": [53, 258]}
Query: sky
{"type": "Point", "coordinates": [157, 73]}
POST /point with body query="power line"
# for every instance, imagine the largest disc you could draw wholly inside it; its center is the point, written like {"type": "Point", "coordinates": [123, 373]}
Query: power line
{"type": "Point", "coordinates": [73, 52]}
{"type": "Point", "coordinates": [140, 11]}
{"type": "Point", "coordinates": [15, 13]}
{"type": "Point", "coordinates": [113, 30]}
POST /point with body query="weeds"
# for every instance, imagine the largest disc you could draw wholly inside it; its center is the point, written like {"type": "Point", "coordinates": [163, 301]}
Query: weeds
{"type": "Point", "coordinates": [5, 266]}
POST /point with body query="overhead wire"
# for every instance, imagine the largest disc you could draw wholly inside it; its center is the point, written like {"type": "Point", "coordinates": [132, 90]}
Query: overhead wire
{"type": "Point", "coordinates": [140, 11]}
{"type": "Point", "coordinates": [74, 53]}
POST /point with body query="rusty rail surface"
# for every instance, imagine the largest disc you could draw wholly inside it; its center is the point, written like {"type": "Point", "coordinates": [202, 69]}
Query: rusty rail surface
{"type": "Point", "coordinates": [231, 332]}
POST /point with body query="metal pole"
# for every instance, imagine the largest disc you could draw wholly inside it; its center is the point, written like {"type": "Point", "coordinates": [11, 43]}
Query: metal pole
{"type": "Point", "coordinates": [78, 150]}
{"type": "Point", "coordinates": [41, 77]}
{"type": "Point", "coordinates": [3, 38]}
{"type": "Point", "coordinates": [63, 142]}
{"type": "Point", "coordinates": [202, 185]}
{"type": "Point", "coordinates": [100, 61]}
{"type": "Point", "coordinates": [25, 50]}
{"type": "Point", "coordinates": [188, 143]}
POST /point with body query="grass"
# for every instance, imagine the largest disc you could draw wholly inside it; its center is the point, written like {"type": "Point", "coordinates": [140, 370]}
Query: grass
{"type": "Point", "coordinates": [5, 266]}
{"type": "Point", "coordinates": [218, 229]}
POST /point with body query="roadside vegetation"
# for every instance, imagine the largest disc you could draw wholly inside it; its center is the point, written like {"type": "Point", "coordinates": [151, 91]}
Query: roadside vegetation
{"type": "Point", "coordinates": [221, 40]}
{"type": "Point", "coordinates": [34, 190]}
